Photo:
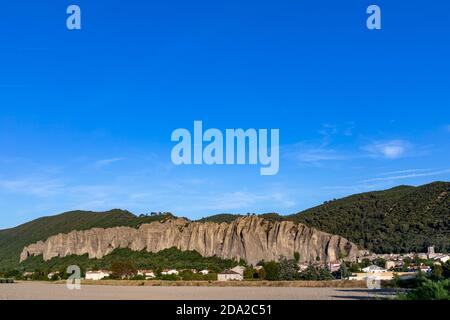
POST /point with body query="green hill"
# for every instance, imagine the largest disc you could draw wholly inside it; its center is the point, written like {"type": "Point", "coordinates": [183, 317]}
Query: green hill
{"type": "Point", "coordinates": [400, 219]}
{"type": "Point", "coordinates": [12, 241]}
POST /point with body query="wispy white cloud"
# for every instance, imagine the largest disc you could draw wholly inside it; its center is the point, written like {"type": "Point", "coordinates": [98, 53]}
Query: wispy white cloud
{"type": "Point", "coordinates": [404, 171]}
{"type": "Point", "coordinates": [32, 186]}
{"type": "Point", "coordinates": [315, 155]}
{"type": "Point", "coordinates": [348, 131]}
{"type": "Point", "coordinates": [328, 131]}
{"type": "Point", "coordinates": [324, 148]}
{"type": "Point", "coordinates": [309, 153]}
{"type": "Point", "coordinates": [409, 176]}
{"type": "Point", "coordinates": [106, 162]}
{"type": "Point", "coordinates": [391, 149]}
{"type": "Point", "coordinates": [237, 201]}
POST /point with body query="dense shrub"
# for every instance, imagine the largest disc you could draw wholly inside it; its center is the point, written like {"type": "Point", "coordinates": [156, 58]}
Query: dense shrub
{"type": "Point", "coordinates": [428, 290]}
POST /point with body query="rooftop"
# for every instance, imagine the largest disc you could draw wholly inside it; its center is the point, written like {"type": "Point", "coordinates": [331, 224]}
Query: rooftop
{"type": "Point", "coordinates": [229, 272]}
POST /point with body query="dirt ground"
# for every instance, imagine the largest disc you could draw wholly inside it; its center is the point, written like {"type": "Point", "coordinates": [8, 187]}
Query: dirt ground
{"type": "Point", "coordinates": [50, 291]}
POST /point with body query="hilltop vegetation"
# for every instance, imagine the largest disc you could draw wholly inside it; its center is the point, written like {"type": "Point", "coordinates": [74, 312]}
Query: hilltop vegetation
{"type": "Point", "coordinates": [402, 219]}
{"type": "Point", "coordinates": [12, 241]}
{"type": "Point", "coordinates": [219, 218]}
{"type": "Point", "coordinates": [228, 217]}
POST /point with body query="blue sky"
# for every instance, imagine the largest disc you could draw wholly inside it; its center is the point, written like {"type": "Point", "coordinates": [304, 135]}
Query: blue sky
{"type": "Point", "coordinates": [86, 116]}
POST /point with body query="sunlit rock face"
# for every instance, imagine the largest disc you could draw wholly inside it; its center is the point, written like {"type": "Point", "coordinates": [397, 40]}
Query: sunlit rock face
{"type": "Point", "coordinates": [250, 238]}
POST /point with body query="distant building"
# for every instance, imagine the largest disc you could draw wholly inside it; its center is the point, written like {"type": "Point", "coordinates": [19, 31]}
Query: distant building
{"type": "Point", "coordinates": [334, 266]}
{"type": "Point", "coordinates": [148, 274]}
{"type": "Point", "coordinates": [204, 272]}
{"type": "Point", "coordinates": [442, 258]}
{"type": "Point", "coordinates": [230, 275]}
{"type": "Point", "coordinates": [431, 251]}
{"type": "Point", "coordinates": [374, 269]}
{"type": "Point", "coordinates": [239, 269]}
{"type": "Point", "coordinates": [97, 275]}
{"type": "Point", "coordinates": [424, 256]}
{"type": "Point", "coordinates": [391, 264]}
{"type": "Point", "coordinates": [382, 276]}
{"type": "Point", "coordinates": [302, 267]}
{"type": "Point", "coordinates": [425, 269]}
{"type": "Point", "coordinates": [51, 274]}
{"type": "Point", "coordinates": [168, 272]}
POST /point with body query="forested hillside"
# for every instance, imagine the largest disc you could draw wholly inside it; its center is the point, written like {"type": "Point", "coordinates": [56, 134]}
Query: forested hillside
{"type": "Point", "coordinates": [12, 241]}
{"type": "Point", "coordinates": [401, 219]}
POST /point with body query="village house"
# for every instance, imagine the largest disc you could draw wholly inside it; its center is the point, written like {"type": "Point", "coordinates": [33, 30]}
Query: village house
{"type": "Point", "coordinates": [423, 256]}
{"type": "Point", "coordinates": [97, 275]}
{"type": "Point", "coordinates": [443, 258]}
{"type": "Point", "coordinates": [27, 275]}
{"type": "Point", "coordinates": [378, 273]}
{"type": "Point", "coordinates": [302, 267]}
{"type": "Point", "coordinates": [390, 264]}
{"type": "Point", "coordinates": [230, 275]}
{"type": "Point", "coordinates": [204, 272]}
{"type": "Point", "coordinates": [51, 274]}
{"type": "Point", "coordinates": [374, 269]}
{"type": "Point", "coordinates": [148, 274]}
{"type": "Point", "coordinates": [239, 269]}
{"type": "Point", "coordinates": [431, 254]}
{"type": "Point", "coordinates": [334, 266]}
{"type": "Point", "coordinates": [387, 275]}
{"type": "Point", "coordinates": [425, 269]}
{"type": "Point", "coordinates": [168, 272]}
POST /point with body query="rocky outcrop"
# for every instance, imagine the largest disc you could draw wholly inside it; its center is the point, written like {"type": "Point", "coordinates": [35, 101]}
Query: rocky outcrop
{"type": "Point", "coordinates": [249, 238]}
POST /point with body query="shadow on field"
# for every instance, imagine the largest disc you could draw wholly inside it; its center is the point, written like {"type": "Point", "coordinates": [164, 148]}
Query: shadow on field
{"type": "Point", "coordinates": [381, 294]}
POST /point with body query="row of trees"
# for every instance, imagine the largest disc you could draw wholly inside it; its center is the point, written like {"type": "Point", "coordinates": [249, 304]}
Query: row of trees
{"type": "Point", "coordinates": [288, 270]}
{"type": "Point", "coordinates": [124, 263]}
{"type": "Point", "coordinates": [407, 264]}
{"type": "Point", "coordinates": [165, 259]}
{"type": "Point", "coordinates": [125, 270]}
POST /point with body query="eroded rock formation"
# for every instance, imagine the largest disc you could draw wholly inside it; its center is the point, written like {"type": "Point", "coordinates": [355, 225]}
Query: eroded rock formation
{"type": "Point", "coordinates": [249, 238]}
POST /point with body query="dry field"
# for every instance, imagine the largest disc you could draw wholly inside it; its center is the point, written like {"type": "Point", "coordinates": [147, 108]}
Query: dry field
{"type": "Point", "coordinates": [52, 291]}
{"type": "Point", "coordinates": [162, 283]}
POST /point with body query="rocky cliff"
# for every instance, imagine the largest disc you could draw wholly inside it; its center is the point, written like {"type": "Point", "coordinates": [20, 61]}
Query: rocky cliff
{"type": "Point", "coordinates": [249, 238]}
